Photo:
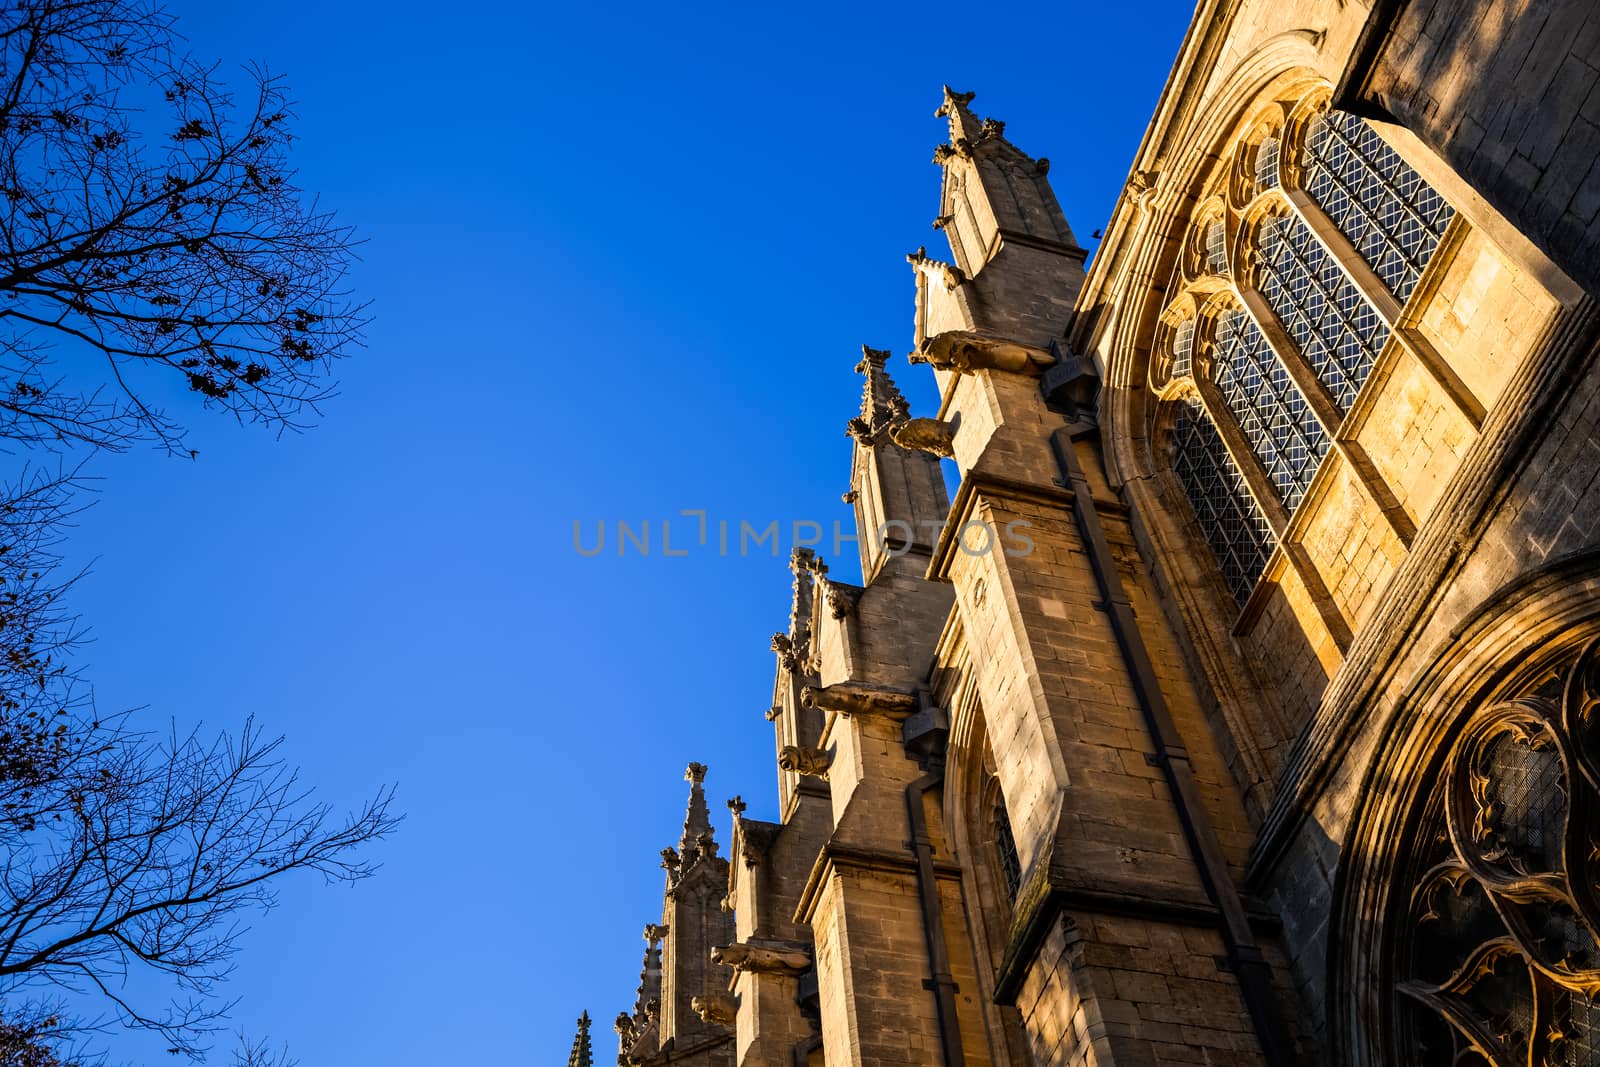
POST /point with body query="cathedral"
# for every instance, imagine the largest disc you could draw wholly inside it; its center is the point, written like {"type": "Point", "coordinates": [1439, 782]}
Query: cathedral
{"type": "Point", "coordinates": [1241, 704]}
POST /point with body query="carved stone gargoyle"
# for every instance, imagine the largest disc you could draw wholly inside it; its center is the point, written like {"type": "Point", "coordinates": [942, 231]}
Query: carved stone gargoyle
{"type": "Point", "coordinates": [763, 959]}
{"type": "Point", "coordinates": [719, 1009]}
{"type": "Point", "coordinates": [925, 435]}
{"type": "Point", "coordinates": [809, 762]}
{"type": "Point", "coordinates": [963, 352]}
{"type": "Point", "coordinates": [859, 698]}
{"type": "Point", "coordinates": [842, 599]}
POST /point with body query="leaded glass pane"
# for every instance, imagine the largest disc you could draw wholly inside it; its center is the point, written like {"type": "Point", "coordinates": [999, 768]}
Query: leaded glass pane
{"type": "Point", "coordinates": [1267, 163]}
{"type": "Point", "coordinates": [1321, 309]}
{"type": "Point", "coordinates": [1391, 216]}
{"type": "Point", "coordinates": [1183, 349]}
{"type": "Point", "coordinates": [1271, 411]}
{"type": "Point", "coordinates": [1217, 247]}
{"type": "Point", "coordinates": [1233, 524]}
{"type": "Point", "coordinates": [1005, 846]}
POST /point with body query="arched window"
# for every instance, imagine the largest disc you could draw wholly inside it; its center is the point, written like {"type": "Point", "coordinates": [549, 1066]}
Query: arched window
{"type": "Point", "coordinates": [1183, 349]}
{"type": "Point", "coordinates": [1330, 322]}
{"type": "Point", "coordinates": [1005, 848]}
{"type": "Point", "coordinates": [1268, 407]}
{"type": "Point", "coordinates": [1391, 216]}
{"type": "Point", "coordinates": [1305, 319]}
{"type": "Point", "coordinates": [1498, 961]}
{"type": "Point", "coordinates": [1230, 519]}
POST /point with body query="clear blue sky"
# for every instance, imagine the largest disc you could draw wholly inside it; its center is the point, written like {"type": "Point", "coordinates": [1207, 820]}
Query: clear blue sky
{"type": "Point", "coordinates": [621, 260]}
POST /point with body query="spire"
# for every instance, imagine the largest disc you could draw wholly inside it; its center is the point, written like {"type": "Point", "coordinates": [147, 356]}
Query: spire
{"type": "Point", "coordinates": [994, 193]}
{"type": "Point", "coordinates": [881, 402]}
{"type": "Point", "coordinates": [964, 125]}
{"type": "Point", "coordinates": [582, 1054]}
{"type": "Point", "coordinates": [697, 821]}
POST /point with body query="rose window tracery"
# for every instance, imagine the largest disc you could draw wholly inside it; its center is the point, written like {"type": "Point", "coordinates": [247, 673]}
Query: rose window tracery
{"type": "Point", "coordinates": [1501, 963]}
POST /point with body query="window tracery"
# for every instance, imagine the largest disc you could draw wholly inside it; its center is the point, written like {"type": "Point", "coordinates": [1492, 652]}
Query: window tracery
{"type": "Point", "coordinates": [1235, 529]}
{"type": "Point", "coordinates": [1382, 205]}
{"type": "Point", "coordinates": [1005, 847]}
{"type": "Point", "coordinates": [1269, 408]}
{"type": "Point", "coordinates": [1294, 153]}
{"type": "Point", "coordinates": [1332, 325]}
{"type": "Point", "coordinates": [1500, 960]}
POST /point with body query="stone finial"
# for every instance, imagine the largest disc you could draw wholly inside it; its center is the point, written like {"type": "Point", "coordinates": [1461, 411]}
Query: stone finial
{"type": "Point", "coordinates": [956, 109]}
{"type": "Point", "coordinates": [802, 567]}
{"type": "Point", "coordinates": [737, 805]}
{"type": "Point", "coordinates": [880, 397]}
{"type": "Point", "coordinates": [582, 1054]}
{"type": "Point", "coordinates": [697, 819]}
{"type": "Point", "coordinates": [655, 932]}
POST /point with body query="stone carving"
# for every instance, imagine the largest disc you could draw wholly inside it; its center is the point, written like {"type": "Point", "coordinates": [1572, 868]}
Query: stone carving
{"type": "Point", "coordinates": [925, 435]}
{"type": "Point", "coordinates": [810, 762]}
{"type": "Point", "coordinates": [1505, 916]}
{"type": "Point", "coordinates": [992, 129]}
{"type": "Point", "coordinates": [719, 1009]}
{"type": "Point", "coordinates": [842, 599]}
{"type": "Point", "coordinates": [1142, 186]}
{"type": "Point", "coordinates": [755, 838]}
{"type": "Point", "coordinates": [773, 712]}
{"type": "Point", "coordinates": [789, 654]}
{"type": "Point", "coordinates": [654, 932]}
{"type": "Point", "coordinates": [941, 222]}
{"type": "Point", "coordinates": [850, 496]}
{"type": "Point", "coordinates": [962, 352]}
{"type": "Point", "coordinates": [736, 805]}
{"type": "Point", "coordinates": [947, 273]}
{"type": "Point", "coordinates": [780, 958]}
{"type": "Point", "coordinates": [1041, 166]}
{"type": "Point", "coordinates": [671, 860]}
{"type": "Point", "coordinates": [859, 698]}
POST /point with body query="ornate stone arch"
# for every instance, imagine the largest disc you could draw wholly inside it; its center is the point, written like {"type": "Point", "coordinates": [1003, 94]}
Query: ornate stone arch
{"type": "Point", "coordinates": [1450, 860]}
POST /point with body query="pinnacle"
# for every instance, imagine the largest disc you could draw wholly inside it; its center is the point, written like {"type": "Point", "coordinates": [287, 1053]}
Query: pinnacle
{"type": "Point", "coordinates": [964, 125]}
{"type": "Point", "coordinates": [582, 1053]}
{"type": "Point", "coordinates": [881, 402]}
{"type": "Point", "coordinates": [697, 820]}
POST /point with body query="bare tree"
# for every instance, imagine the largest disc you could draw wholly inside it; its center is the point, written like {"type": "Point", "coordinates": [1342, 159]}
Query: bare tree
{"type": "Point", "coordinates": [149, 227]}
{"type": "Point", "coordinates": [119, 849]}
{"type": "Point", "coordinates": [149, 223]}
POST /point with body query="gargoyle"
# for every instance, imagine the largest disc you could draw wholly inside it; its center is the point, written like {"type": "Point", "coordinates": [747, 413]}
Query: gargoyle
{"type": "Point", "coordinates": [810, 762]}
{"type": "Point", "coordinates": [925, 435]}
{"type": "Point", "coordinates": [963, 352]}
{"type": "Point", "coordinates": [719, 1009]}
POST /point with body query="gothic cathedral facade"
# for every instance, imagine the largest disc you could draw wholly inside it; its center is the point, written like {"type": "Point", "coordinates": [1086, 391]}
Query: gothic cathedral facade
{"type": "Point", "coordinates": [1242, 703]}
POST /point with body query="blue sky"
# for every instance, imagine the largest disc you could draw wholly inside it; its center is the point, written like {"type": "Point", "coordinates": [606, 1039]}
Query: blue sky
{"type": "Point", "coordinates": [621, 260]}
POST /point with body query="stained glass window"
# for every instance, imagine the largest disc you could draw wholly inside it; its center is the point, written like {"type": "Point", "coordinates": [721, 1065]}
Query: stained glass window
{"type": "Point", "coordinates": [1233, 524]}
{"type": "Point", "coordinates": [1269, 408]}
{"type": "Point", "coordinates": [1321, 309]}
{"type": "Point", "coordinates": [1391, 216]}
